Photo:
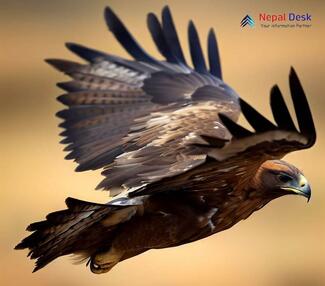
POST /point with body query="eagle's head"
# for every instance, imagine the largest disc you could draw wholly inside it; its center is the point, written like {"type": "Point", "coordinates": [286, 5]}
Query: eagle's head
{"type": "Point", "coordinates": [278, 178]}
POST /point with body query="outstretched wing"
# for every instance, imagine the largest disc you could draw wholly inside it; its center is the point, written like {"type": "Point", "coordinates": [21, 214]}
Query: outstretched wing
{"type": "Point", "coordinates": [140, 119]}
{"type": "Point", "coordinates": [232, 164]}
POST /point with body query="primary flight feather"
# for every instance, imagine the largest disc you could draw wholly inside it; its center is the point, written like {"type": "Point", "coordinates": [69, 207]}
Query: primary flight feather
{"type": "Point", "coordinates": [167, 138]}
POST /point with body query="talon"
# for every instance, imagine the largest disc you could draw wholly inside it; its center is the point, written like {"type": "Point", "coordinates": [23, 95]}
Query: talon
{"type": "Point", "coordinates": [104, 261]}
{"type": "Point", "coordinates": [101, 268]}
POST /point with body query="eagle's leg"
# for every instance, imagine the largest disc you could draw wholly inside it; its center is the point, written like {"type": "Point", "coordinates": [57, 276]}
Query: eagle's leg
{"type": "Point", "coordinates": [206, 219]}
{"type": "Point", "coordinates": [141, 233]}
{"type": "Point", "coordinates": [104, 261]}
{"type": "Point", "coordinates": [164, 222]}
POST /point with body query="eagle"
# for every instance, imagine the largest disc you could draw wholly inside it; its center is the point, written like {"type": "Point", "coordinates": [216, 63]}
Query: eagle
{"type": "Point", "coordinates": [177, 164]}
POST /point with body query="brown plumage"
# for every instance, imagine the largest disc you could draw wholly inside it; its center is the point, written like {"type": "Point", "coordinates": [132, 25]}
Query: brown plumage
{"type": "Point", "coordinates": [166, 135]}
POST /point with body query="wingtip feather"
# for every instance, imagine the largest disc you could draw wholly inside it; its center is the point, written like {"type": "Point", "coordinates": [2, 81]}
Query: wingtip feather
{"type": "Point", "coordinates": [213, 54]}
{"type": "Point", "coordinates": [165, 10]}
{"type": "Point", "coordinates": [63, 65]}
{"type": "Point", "coordinates": [196, 49]}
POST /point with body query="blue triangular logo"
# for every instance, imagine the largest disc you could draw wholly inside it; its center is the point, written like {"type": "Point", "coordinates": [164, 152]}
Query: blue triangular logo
{"type": "Point", "coordinates": [247, 20]}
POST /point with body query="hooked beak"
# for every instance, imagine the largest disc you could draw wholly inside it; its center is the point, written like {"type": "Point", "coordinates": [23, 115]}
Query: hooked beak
{"type": "Point", "coordinates": [301, 188]}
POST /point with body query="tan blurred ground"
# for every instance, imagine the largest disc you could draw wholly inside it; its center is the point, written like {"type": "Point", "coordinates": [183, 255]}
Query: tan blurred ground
{"type": "Point", "coordinates": [283, 244]}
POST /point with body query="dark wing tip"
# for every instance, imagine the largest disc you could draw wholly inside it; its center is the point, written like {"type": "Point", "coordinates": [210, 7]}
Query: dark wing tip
{"type": "Point", "coordinates": [151, 15]}
{"type": "Point", "coordinates": [68, 86]}
{"type": "Point", "coordinates": [63, 65]}
{"type": "Point", "coordinates": [125, 38]}
{"type": "Point", "coordinates": [191, 24]}
{"type": "Point", "coordinates": [302, 109]}
{"type": "Point", "coordinates": [71, 45]}
{"type": "Point", "coordinates": [293, 72]}
{"type": "Point", "coordinates": [212, 32]}
{"type": "Point", "coordinates": [171, 36]}
{"type": "Point", "coordinates": [69, 202]}
{"type": "Point", "coordinates": [255, 119]}
{"type": "Point", "coordinates": [85, 53]}
{"type": "Point", "coordinates": [196, 49]}
{"type": "Point", "coordinates": [159, 39]}
{"type": "Point", "coordinates": [274, 88]}
{"type": "Point", "coordinates": [280, 113]}
{"type": "Point", "coordinates": [54, 63]}
{"type": "Point", "coordinates": [19, 246]}
{"type": "Point", "coordinates": [108, 13]}
{"type": "Point", "coordinates": [280, 110]}
{"type": "Point", "coordinates": [80, 168]}
{"type": "Point", "coordinates": [213, 141]}
{"type": "Point", "coordinates": [166, 10]}
{"type": "Point", "coordinates": [213, 54]}
{"type": "Point", "coordinates": [112, 20]}
{"type": "Point", "coordinates": [58, 64]}
{"type": "Point", "coordinates": [235, 129]}
{"type": "Point", "coordinates": [36, 269]}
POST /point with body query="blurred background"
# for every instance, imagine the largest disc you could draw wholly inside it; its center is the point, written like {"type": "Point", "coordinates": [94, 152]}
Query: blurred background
{"type": "Point", "coordinates": [282, 244]}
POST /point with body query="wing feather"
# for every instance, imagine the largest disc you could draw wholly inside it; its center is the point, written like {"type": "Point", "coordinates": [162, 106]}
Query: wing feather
{"type": "Point", "coordinates": [110, 98]}
{"type": "Point", "coordinates": [146, 120]}
{"type": "Point", "coordinates": [196, 50]}
{"type": "Point", "coordinates": [280, 111]}
{"type": "Point", "coordinates": [214, 58]}
{"type": "Point", "coordinates": [126, 39]}
{"type": "Point", "coordinates": [303, 113]}
{"type": "Point", "coordinates": [169, 30]}
{"type": "Point", "coordinates": [158, 37]}
{"type": "Point", "coordinates": [233, 163]}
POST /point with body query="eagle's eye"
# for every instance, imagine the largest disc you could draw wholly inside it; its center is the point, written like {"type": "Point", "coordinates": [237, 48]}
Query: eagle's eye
{"type": "Point", "coordinates": [284, 178]}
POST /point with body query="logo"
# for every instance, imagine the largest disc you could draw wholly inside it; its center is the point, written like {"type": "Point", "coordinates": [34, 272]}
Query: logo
{"type": "Point", "coordinates": [279, 20]}
{"type": "Point", "coordinates": [247, 20]}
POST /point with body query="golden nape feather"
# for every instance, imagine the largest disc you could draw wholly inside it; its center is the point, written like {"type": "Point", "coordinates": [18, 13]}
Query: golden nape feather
{"type": "Point", "coordinates": [166, 136]}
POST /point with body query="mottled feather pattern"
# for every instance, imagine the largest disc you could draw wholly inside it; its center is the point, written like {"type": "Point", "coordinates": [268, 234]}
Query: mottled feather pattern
{"type": "Point", "coordinates": [116, 87]}
{"type": "Point", "coordinates": [95, 82]}
{"type": "Point", "coordinates": [106, 97]}
{"type": "Point", "coordinates": [95, 137]}
{"type": "Point", "coordinates": [101, 72]}
{"type": "Point", "coordinates": [169, 135]}
{"type": "Point", "coordinates": [109, 88]}
{"type": "Point", "coordinates": [107, 69]}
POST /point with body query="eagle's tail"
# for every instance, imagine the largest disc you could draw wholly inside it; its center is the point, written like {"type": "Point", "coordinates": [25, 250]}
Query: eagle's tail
{"type": "Point", "coordinates": [80, 229]}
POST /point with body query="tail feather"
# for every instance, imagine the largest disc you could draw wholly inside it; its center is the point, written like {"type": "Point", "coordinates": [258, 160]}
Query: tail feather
{"type": "Point", "coordinates": [78, 229]}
